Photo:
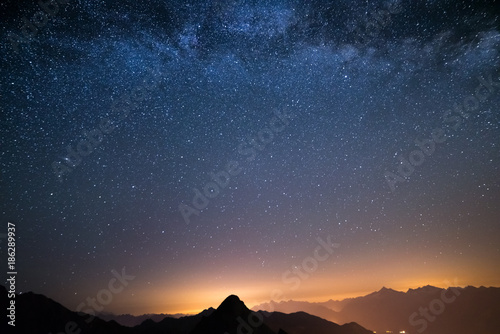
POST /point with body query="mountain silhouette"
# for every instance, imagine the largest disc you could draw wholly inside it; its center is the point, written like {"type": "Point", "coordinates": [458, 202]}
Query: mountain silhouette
{"type": "Point", "coordinates": [37, 314]}
{"type": "Point", "coordinates": [183, 325]}
{"type": "Point", "coordinates": [303, 323]}
{"type": "Point", "coordinates": [232, 317]}
{"type": "Point", "coordinates": [429, 309]}
{"type": "Point", "coordinates": [291, 306]}
{"type": "Point", "coordinates": [453, 310]}
{"type": "Point", "coordinates": [130, 320]}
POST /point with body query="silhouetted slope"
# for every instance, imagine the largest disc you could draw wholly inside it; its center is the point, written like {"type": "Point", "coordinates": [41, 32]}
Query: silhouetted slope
{"type": "Point", "coordinates": [233, 317]}
{"type": "Point", "coordinates": [4, 304]}
{"type": "Point", "coordinates": [183, 325]}
{"type": "Point", "coordinates": [303, 323]}
{"type": "Point", "coordinates": [382, 310]}
{"type": "Point", "coordinates": [292, 306]}
{"type": "Point", "coordinates": [457, 310]}
{"type": "Point", "coordinates": [476, 310]}
{"type": "Point", "coordinates": [135, 320]}
{"type": "Point", "coordinates": [37, 314]}
{"type": "Point", "coordinates": [335, 305]}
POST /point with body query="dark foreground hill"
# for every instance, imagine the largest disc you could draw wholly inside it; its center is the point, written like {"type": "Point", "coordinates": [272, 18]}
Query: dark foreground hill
{"type": "Point", "coordinates": [304, 323]}
{"type": "Point", "coordinates": [37, 314]}
{"type": "Point", "coordinates": [130, 320]}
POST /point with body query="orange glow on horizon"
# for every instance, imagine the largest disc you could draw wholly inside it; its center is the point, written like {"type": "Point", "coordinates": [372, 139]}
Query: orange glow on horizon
{"type": "Point", "coordinates": [248, 296]}
{"type": "Point", "coordinates": [206, 286]}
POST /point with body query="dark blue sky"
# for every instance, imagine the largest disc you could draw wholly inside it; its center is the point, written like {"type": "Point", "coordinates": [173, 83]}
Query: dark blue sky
{"type": "Point", "coordinates": [114, 114]}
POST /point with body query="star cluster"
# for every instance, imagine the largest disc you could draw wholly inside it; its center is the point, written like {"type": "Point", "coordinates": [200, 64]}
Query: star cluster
{"type": "Point", "coordinates": [206, 145]}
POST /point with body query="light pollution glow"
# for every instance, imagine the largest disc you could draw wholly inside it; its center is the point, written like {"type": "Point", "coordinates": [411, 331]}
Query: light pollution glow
{"type": "Point", "coordinates": [334, 281]}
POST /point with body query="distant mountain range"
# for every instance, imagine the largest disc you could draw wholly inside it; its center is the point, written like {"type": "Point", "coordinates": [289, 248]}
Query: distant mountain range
{"type": "Point", "coordinates": [428, 310]}
{"type": "Point", "coordinates": [134, 320]}
{"type": "Point", "coordinates": [37, 314]}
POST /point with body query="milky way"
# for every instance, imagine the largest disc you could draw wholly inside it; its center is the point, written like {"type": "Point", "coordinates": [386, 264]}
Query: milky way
{"type": "Point", "coordinates": [206, 146]}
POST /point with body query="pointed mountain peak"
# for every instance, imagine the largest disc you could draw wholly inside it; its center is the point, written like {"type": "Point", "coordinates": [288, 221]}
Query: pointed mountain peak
{"type": "Point", "coordinates": [232, 299]}
{"type": "Point", "coordinates": [233, 305]}
{"type": "Point", "coordinates": [232, 316]}
{"type": "Point", "coordinates": [430, 288]}
{"type": "Point", "coordinates": [384, 292]}
{"type": "Point", "coordinates": [424, 289]}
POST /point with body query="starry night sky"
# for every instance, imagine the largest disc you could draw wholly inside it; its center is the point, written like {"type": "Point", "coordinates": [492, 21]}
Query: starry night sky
{"type": "Point", "coordinates": [312, 106]}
